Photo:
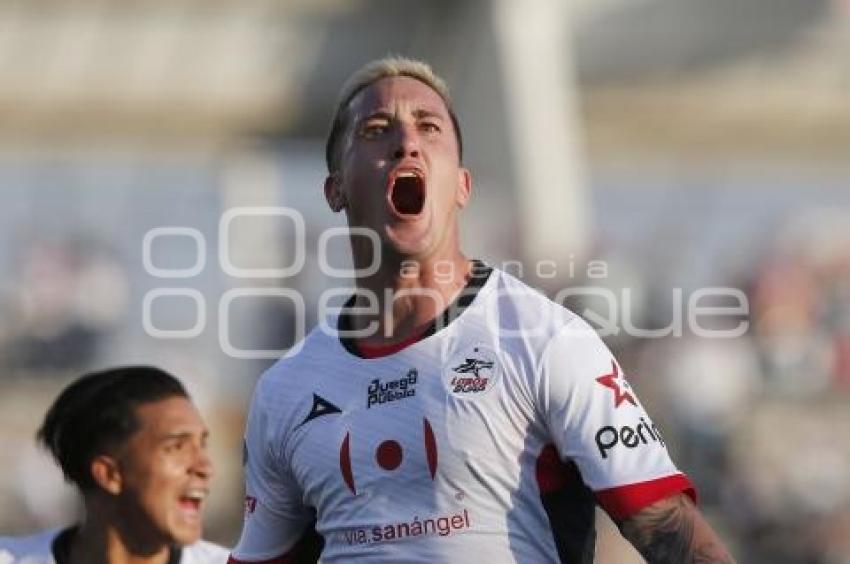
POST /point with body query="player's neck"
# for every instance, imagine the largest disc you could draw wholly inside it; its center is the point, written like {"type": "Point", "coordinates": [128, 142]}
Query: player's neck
{"type": "Point", "coordinates": [410, 293]}
{"type": "Point", "coordinates": [102, 540]}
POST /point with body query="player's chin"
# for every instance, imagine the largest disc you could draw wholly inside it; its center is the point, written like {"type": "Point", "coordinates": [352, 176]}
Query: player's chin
{"type": "Point", "coordinates": [186, 535]}
{"type": "Point", "coordinates": [408, 240]}
{"type": "Point", "coordinates": [186, 529]}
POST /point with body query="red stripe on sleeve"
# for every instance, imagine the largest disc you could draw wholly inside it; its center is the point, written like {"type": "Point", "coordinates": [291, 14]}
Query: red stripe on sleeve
{"type": "Point", "coordinates": [552, 474]}
{"type": "Point", "coordinates": [624, 501]}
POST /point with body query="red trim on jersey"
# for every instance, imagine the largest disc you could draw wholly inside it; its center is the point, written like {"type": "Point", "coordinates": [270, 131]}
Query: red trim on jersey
{"type": "Point", "coordinates": [345, 463]}
{"type": "Point", "coordinates": [283, 559]}
{"type": "Point", "coordinates": [377, 351]}
{"type": "Point", "coordinates": [624, 501]}
{"type": "Point", "coordinates": [430, 447]}
{"type": "Point", "coordinates": [553, 474]}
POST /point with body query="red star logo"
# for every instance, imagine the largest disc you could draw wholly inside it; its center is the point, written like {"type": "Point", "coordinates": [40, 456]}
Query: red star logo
{"type": "Point", "coordinates": [614, 382]}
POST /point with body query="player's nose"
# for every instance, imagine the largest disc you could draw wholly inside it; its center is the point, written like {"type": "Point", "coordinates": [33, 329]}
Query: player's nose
{"type": "Point", "coordinates": [407, 143]}
{"type": "Point", "coordinates": [202, 464]}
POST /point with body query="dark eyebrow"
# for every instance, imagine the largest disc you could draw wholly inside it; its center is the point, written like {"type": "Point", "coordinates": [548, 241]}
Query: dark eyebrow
{"type": "Point", "coordinates": [418, 114]}
{"type": "Point", "coordinates": [183, 435]}
{"type": "Point", "coordinates": [423, 113]}
{"type": "Point", "coordinates": [377, 114]}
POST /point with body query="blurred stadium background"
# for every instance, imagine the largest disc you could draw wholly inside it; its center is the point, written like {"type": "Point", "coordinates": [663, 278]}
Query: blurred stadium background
{"type": "Point", "coordinates": [685, 143]}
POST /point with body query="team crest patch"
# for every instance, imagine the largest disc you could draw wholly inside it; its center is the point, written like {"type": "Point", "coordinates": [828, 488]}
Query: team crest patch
{"type": "Point", "coordinates": [472, 372]}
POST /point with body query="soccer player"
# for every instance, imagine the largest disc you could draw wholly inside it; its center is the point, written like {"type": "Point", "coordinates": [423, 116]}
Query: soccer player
{"type": "Point", "coordinates": [133, 443]}
{"type": "Point", "coordinates": [447, 412]}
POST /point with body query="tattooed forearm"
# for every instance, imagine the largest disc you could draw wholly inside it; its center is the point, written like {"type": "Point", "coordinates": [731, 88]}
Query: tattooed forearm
{"type": "Point", "coordinates": [673, 531]}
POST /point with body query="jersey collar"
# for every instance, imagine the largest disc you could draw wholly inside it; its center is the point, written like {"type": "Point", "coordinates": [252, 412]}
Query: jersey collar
{"type": "Point", "coordinates": [479, 275]}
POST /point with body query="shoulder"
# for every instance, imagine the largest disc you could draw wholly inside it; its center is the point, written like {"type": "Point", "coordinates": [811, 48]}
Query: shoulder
{"type": "Point", "coordinates": [283, 391]}
{"type": "Point", "coordinates": [30, 549]}
{"type": "Point", "coordinates": [319, 348]}
{"type": "Point", "coordinates": [204, 552]}
{"type": "Point", "coordinates": [513, 291]}
{"type": "Point", "coordinates": [525, 311]}
{"type": "Point", "coordinates": [540, 334]}
{"type": "Point", "coordinates": [297, 369]}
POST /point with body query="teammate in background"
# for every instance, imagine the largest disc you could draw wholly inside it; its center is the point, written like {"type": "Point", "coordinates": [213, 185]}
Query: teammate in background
{"type": "Point", "coordinates": [136, 447]}
{"type": "Point", "coordinates": [447, 412]}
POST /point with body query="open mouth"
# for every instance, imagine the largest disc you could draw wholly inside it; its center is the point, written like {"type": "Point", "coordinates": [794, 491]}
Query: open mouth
{"type": "Point", "coordinates": [190, 503]}
{"type": "Point", "coordinates": [407, 193]}
{"type": "Point", "coordinates": [192, 500]}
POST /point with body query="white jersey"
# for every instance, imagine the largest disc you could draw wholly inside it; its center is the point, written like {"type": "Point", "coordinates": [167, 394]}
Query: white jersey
{"type": "Point", "coordinates": [488, 440]}
{"type": "Point", "coordinates": [39, 549]}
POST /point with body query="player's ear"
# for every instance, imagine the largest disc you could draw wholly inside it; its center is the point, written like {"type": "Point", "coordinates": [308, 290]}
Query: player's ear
{"type": "Point", "coordinates": [464, 186]}
{"type": "Point", "coordinates": [333, 193]}
{"type": "Point", "coordinates": [106, 473]}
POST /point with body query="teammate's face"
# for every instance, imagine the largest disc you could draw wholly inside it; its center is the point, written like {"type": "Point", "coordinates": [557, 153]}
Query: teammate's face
{"type": "Point", "coordinates": [165, 472]}
{"type": "Point", "coordinates": [399, 171]}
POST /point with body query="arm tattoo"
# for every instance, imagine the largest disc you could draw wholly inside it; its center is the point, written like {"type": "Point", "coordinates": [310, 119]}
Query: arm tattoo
{"type": "Point", "coordinates": [665, 533]}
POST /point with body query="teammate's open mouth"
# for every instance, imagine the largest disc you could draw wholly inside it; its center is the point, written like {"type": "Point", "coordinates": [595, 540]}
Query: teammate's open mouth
{"type": "Point", "coordinates": [192, 500]}
{"type": "Point", "coordinates": [189, 503]}
{"type": "Point", "coordinates": [407, 193]}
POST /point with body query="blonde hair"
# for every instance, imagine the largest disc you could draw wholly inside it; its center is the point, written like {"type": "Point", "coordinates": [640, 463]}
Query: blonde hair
{"type": "Point", "coordinates": [387, 67]}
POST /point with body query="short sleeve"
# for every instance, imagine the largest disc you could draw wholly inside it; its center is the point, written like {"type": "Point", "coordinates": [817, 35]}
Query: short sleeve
{"type": "Point", "coordinates": [596, 420]}
{"type": "Point", "coordinates": [275, 517]}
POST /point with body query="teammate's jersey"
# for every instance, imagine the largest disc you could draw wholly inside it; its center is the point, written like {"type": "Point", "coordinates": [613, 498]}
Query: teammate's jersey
{"type": "Point", "coordinates": [47, 547]}
{"type": "Point", "coordinates": [480, 442]}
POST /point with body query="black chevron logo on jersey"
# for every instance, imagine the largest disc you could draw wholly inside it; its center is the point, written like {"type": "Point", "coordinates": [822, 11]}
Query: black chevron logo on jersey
{"type": "Point", "coordinates": [321, 407]}
{"type": "Point", "coordinates": [473, 365]}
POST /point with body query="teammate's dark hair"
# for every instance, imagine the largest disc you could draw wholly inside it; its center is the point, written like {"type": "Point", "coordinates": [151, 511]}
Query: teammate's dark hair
{"type": "Point", "coordinates": [98, 412]}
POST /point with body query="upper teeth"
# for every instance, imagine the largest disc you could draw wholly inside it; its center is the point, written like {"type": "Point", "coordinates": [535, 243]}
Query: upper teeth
{"type": "Point", "coordinates": [407, 174]}
{"type": "Point", "coordinates": [196, 494]}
